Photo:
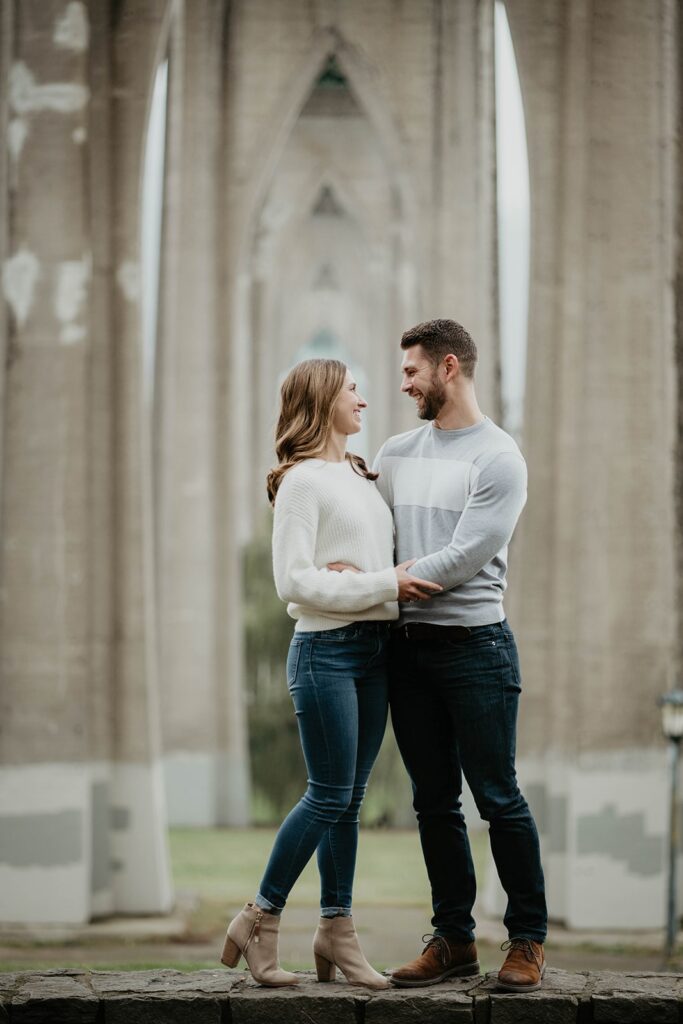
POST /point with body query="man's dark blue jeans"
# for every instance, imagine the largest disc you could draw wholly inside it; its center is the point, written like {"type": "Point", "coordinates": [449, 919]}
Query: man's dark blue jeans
{"type": "Point", "coordinates": [454, 711]}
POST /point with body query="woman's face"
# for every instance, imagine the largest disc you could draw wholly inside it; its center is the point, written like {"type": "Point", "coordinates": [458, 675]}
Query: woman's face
{"type": "Point", "coordinates": [346, 416]}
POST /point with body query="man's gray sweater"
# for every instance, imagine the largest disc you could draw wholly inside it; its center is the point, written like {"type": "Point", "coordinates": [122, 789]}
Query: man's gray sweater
{"type": "Point", "coordinates": [456, 496]}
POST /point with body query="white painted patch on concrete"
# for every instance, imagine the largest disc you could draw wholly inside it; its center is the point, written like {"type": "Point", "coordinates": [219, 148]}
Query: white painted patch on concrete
{"type": "Point", "coordinates": [72, 281]}
{"type": "Point", "coordinates": [59, 894]}
{"type": "Point", "coordinates": [128, 277]}
{"type": "Point", "coordinates": [46, 894]}
{"type": "Point", "coordinates": [190, 782]}
{"type": "Point", "coordinates": [586, 889]}
{"type": "Point", "coordinates": [39, 895]}
{"type": "Point", "coordinates": [17, 133]}
{"type": "Point", "coordinates": [19, 276]}
{"type": "Point", "coordinates": [27, 97]}
{"type": "Point", "coordinates": [79, 135]}
{"type": "Point", "coordinates": [72, 334]}
{"type": "Point", "coordinates": [72, 30]}
{"type": "Point", "coordinates": [142, 877]}
{"type": "Point", "coordinates": [70, 296]}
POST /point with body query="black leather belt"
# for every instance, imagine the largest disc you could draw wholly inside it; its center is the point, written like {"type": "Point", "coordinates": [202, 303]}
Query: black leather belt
{"type": "Point", "coordinates": [431, 631]}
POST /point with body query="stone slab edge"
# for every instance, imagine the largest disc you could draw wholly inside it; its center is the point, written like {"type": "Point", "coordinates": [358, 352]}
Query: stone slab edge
{"type": "Point", "coordinates": [66, 996]}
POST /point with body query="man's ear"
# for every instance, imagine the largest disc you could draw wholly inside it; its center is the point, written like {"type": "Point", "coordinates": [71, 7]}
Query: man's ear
{"type": "Point", "coordinates": [452, 364]}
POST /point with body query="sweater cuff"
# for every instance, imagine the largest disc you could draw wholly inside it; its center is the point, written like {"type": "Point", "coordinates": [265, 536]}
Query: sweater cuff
{"type": "Point", "coordinates": [388, 584]}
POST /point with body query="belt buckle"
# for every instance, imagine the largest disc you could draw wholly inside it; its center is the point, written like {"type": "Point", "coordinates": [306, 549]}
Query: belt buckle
{"type": "Point", "coordinates": [462, 632]}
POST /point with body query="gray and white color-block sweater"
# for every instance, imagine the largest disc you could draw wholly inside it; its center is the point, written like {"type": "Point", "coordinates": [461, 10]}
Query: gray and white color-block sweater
{"type": "Point", "coordinates": [456, 496]}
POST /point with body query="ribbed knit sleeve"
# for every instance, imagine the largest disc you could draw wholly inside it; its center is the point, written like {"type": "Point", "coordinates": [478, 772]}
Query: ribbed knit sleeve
{"type": "Point", "coordinates": [297, 579]}
{"type": "Point", "coordinates": [485, 526]}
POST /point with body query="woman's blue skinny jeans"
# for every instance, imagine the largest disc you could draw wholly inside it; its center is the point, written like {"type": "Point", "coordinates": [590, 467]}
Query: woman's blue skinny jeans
{"type": "Point", "coordinates": [338, 682]}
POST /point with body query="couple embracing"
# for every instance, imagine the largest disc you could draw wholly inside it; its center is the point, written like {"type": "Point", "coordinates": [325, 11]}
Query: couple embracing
{"type": "Point", "coordinates": [426, 637]}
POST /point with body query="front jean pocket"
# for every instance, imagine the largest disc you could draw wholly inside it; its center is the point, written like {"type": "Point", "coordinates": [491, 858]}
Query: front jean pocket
{"type": "Point", "coordinates": [489, 638]}
{"type": "Point", "coordinates": [339, 635]}
{"type": "Point", "coordinates": [511, 650]}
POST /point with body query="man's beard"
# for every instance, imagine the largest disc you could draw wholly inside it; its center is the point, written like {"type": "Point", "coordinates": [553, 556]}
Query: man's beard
{"type": "Point", "coordinates": [433, 400]}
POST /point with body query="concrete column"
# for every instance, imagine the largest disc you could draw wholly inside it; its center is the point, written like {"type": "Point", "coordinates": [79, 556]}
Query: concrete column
{"type": "Point", "coordinates": [593, 567]}
{"type": "Point", "coordinates": [679, 360]}
{"type": "Point", "coordinates": [56, 634]}
{"type": "Point", "coordinates": [143, 876]}
{"type": "Point", "coordinates": [462, 281]}
{"type": "Point", "coordinates": [83, 826]}
{"type": "Point", "coordinates": [52, 864]}
{"type": "Point", "coordinates": [202, 709]}
{"type": "Point", "coordinates": [6, 53]}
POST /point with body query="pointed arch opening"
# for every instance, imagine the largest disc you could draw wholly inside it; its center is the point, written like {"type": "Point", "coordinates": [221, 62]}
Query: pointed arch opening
{"type": "Point", "coordinates": [514, 227]}
{"type": "Point", "coordinates": [154, 167]}
{"type": "Point", "coordinates": [326, 248]}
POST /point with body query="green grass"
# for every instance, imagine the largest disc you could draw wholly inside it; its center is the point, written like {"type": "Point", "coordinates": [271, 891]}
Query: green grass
{"type": "Point", "coordinates": [223, 868]}
{"type": "Point", "coordinates": [227, 864]}
{"type": "Point", "coordinates": [217, 870]}
{"type": "Point", "coordinates": [14, 967]}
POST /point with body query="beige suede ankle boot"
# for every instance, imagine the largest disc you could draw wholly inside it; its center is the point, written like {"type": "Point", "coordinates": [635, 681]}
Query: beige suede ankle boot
{"type": "Point", "coordinates": [336, 945]}
{"type": "Point", "coordinates": [253, 934]}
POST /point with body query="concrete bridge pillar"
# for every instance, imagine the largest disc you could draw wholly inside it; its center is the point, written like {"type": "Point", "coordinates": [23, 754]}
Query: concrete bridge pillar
{"type": "Point", "coordinates": [82, 826]}
{"type": "Point", "coordinates": [206, 760]}
{"type": "Point", "coordinates": [594, 599]}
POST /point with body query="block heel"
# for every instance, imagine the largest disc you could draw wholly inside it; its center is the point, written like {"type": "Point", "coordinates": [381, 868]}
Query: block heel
{"type": "Point", "coordinates": [336, 945]}
{"type": "Point", "coordinates": [326, 971]}
{"type": "Point", "coordinates": [231, 954]}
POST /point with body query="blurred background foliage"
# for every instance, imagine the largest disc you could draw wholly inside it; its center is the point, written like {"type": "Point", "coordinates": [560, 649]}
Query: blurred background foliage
{"type": "Point", "coordinates": [278, 771]}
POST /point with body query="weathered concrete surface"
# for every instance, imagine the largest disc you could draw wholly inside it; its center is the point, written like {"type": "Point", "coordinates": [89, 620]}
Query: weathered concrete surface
{"type": "Point", "coordinates": [633, 997]}
{"type": "Point", "coordinates": [202, 711]}
{"type": "Point", "coordinates": [80, 793]}
{"type": "Point", "coordinates": [593, 581]}
{"type": "Point", "coordinates": [211, 997]}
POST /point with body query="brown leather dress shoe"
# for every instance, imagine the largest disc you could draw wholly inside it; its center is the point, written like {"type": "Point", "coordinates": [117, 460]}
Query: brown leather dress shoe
{"type": "Point", "coordinates": [524, 966]}
{"type": "Point", "coordinates": [440, 959]}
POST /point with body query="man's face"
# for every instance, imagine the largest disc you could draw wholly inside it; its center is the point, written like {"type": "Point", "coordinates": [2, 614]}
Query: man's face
{"type": "Point", "coordinates": [421, 381]}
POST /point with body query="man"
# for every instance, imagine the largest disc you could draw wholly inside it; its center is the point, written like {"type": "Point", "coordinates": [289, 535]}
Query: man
{"type": "Point", "coordinates": [457, 486]}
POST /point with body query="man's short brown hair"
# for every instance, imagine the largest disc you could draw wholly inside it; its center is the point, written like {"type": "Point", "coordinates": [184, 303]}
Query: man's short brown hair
{"type": "Point", "coordinates": [440, 338]}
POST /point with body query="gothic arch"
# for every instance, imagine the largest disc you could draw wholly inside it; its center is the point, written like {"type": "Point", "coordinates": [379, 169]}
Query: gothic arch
{"type": "Point", "coordinates": [362, 212]}
{"type": "Point", "coordinates": [274, 137]}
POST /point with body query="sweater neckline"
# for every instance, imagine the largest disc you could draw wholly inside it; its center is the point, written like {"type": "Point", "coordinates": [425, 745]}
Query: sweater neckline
{"type": "Point", "coordinates": [326, 462]}
{"type": "Point", "coordinates": [438, 432]}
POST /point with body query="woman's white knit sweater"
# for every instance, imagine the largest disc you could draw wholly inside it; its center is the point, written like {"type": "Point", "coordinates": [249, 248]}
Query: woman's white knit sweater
{"type": "Point", "coordinates": [326, 512]}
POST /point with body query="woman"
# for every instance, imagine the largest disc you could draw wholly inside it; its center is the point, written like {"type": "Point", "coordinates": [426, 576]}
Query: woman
{"type": "Point", "coordinates": [327, 510]}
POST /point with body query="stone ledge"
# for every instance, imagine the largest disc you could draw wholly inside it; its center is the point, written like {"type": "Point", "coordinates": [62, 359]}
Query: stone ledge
{"type": "Point", "coordinates": [222, 997]}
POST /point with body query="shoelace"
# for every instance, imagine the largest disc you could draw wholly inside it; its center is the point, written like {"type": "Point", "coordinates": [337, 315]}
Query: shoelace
{"type": "Point", "coordinates": [442, 947]}
{"type": "Point", "coordinates": [524, 945]}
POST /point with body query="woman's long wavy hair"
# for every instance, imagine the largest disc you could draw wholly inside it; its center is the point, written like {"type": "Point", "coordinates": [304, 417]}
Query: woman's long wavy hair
{"type": "Point", "coordinates": [307, 399]}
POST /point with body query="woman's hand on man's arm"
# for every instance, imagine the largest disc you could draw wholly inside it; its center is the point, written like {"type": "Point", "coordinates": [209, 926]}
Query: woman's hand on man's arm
{"type": "Point", "coordinates": [410, 588]}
